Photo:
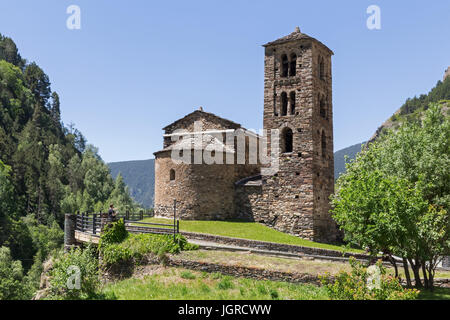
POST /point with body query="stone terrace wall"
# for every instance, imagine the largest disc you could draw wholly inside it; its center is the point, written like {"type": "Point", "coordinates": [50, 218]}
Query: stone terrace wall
{"type": "Point", "coordinates": [272, 246]}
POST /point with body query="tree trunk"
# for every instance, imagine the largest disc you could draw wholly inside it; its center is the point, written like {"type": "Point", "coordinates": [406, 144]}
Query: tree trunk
{"type": "Point", "coordinates": [415, 266]}
{"type": "Point", "coordinates": [407, 275]}
{"type": "Point", "coordinates": [394, 263]}
{"type": "Point", "coordinates": [431, 276]}
{"type": "Point", "coordinates": [425, 277]}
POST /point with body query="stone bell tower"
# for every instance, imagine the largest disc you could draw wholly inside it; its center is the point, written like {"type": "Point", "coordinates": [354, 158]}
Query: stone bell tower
{"type": "Point", "coordinates": [298, 102]}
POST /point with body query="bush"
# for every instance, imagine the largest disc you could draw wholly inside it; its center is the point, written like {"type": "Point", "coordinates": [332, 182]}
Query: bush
{"type": "Point", "coordinates": [12, 285]}
{"type": "Point", "coordinates": [63, 275]}
{"type": "Point", "coordinates": [366, 284]}
{"type": "Point", "coordinates": [113, 233]}
{"type": "Point", "coordinates": [136, 246]}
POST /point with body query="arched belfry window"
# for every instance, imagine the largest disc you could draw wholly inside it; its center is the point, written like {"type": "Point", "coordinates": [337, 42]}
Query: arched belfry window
{"type": "Point", "coordinates": [172, 174]}
{"type": "Point", "coordinates": [284, 65]}
{"type": "Point", "coordinates": [284, 104]}
{"type": "Point", "coordinates": [292, 102]}
{"type": "Point", "coordinates": [287, 140]}
{"type": "Point", "coordinates": [324, 144]}
{"type": "Point", "coordinates": [275, 113]}
{"type": "Point", "coordinates": [322, 106]}
{"type": "Point", "coordinates": [321, 68]}
{"type": "Point", "coordinates": [293, 65]}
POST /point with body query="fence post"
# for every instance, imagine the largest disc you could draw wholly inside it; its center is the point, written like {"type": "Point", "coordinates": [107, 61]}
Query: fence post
{"type": "Point", "coordinates": [127, 215]}
{"type": "Point", "coordinates": [141, 215]}
{"type": "Point", "coordinates": [94, 227]}
{"type": "Point", "coordinates": [82, 221]}
{"type": "Point", "coordinates": [178, 226]}
{"type": "Point", "coordinates": [70, 224]}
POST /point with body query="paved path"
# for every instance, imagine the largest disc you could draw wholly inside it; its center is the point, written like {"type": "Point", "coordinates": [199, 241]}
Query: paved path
{"type": "Point", "coordinates": [209, 245]}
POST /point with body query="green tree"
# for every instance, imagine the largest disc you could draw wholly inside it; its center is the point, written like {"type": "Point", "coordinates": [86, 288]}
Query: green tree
{"type": "Point", "coordinates": [394, 197]}
{"type": "Point", "coordinates": [9, 52]}
{"type": "Point", "coordinates": [12, 286]}
{"type": "Point", "coordinates": [120, 196]}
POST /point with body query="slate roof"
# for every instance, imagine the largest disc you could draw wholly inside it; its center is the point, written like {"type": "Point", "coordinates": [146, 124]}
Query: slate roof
{"type": "Point", "coordinates": [296, 35]}
{"type": "Point", "coordinates": [205, 114]}
{"type": "Point", "coordinates": [208, 141]}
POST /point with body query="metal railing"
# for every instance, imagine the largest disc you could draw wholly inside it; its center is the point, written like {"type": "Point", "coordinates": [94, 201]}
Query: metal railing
{"type": "Point", "coordinates": [93, 223]}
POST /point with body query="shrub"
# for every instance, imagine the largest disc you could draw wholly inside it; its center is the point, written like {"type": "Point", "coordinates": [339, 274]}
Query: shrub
{"type": "Point", "coordinates": [113, 233]}
{"type": "Point", "coordinates": [366, 284]}
{"type": "Point", "coordinates": [136, 246]}
{"type": "Point", "coordinates": [63, 275]}
{"type": "Point", "coordinates": [12, 285]}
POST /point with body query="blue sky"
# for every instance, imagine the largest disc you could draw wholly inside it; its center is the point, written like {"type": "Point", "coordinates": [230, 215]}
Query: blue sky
{"type": "Point", "coordinates": [136, 66]}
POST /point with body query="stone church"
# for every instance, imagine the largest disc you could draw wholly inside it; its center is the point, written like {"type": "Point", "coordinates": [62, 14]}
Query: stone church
{"type": "Point", "coordinates": [294, 199]}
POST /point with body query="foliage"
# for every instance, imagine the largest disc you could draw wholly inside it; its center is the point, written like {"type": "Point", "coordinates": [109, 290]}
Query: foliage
{"type": "Point", "coordinates": [137, 246]}
{"type": "Point", "coordinates": [395, 196]}
{"type": "Point", "coordinates": [113, 233]}
{"type": "Point", "coordinates": [440, 92]}
{"type": "Point", "coordinates": [12, 285]}
{"type": "Point", "coordinates": [63, 273]}
{"type": "Point", "coordinates": [360, 284]}
{"type": "Point", "coordinates": [47, 241]}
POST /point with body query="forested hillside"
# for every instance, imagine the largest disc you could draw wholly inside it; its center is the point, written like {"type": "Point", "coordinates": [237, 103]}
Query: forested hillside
{"type": "Point", "coordinates": [46, 169]}
{"type": "Point", "coordinates": [413, 109]}
{"type": "Point", "coordinates": [340, 158]}
{"type": "Point", "coordinates": [139, 176]}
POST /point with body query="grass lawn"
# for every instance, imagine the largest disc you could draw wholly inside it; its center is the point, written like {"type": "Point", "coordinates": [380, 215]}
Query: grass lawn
{"type": "Point", "coordinates": [437, 294]}
{"type": "Point", "coordinates": [168, 283]}
{"type": "Point", "coordinates": [246, 230]}
{"type": "Point", "coordinates": [182, 284]}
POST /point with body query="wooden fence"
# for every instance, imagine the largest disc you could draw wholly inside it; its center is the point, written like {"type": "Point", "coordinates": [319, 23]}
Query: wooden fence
{"type": "Point", "coordinates": [93, 223]}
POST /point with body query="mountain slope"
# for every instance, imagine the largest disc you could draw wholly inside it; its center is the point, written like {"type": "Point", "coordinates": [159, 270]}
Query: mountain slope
{"type": "Point", "coordinates": [413, 109]}
{"type": "Point", "coordinates": [339, 158]}
{"type": "Point", "coordinates": [139, 176]}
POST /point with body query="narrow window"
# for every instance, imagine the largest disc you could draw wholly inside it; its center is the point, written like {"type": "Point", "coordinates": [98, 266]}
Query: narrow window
{"type": "Point", "coordinates": [293, 65]}
{"type": "Point", "coordinates": [284, 104]}
{"type": "Point", "coordinates": [287, 140]}
{"type": "Point", "coordinates": [322, 105]}
{"type": "Point", "coordinates": [324, 144]}
{"type": "Point", "coordinates": [172, 174]}
{"type": "Point", "coordinates": [284, 65]}
{"type": "Point", "coordinates": [275, 113]}
{"type": "Point", "coordinates": [321, 68]}
{"type": "Point", "coordinates": [292, 98]}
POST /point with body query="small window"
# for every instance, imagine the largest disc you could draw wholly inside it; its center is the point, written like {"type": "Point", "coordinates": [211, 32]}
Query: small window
{"type": "Point", "coordinates": [284, 65]}
{"type": "Point", "coordinates": [292, 100]}
{"type": "Point", "coordinates": [275, 113]}
{"type": "Point", "coordinates": [293, 65]}
{"type": "Point", "coordinates": [287, 140]}
{"type": "Point", "coordinates": [284, 104]}
{"type": "Point", "coordinates": [321, 68]}
{"type": "Point", "coordinates": [322, 106]}
{"type": "Point", "coordinates": [172, 174]}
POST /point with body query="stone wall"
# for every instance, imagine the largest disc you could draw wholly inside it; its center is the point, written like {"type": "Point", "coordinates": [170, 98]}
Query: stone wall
{"type": "Point", "coordinates": [264, 245]}
{"type": "Point", "coordinates": [202, 192]}
{"type": "Point", "coordinates": [297, 197]}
